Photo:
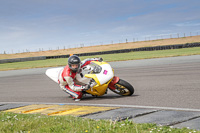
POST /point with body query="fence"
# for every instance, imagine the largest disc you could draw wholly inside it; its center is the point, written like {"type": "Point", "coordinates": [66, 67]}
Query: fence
{"type": "Point", "coordinates": [123, 40]}
{"type": "Point", "coordinates": [187, 45]}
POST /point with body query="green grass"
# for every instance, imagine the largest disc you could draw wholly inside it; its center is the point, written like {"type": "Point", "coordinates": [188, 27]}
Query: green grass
{"type": "Point", "coordinates": [36, 123]}
{"type": "Point", "coordinates": [107, 57]}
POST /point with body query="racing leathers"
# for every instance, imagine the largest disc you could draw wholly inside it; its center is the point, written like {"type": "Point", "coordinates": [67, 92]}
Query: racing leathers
{"type": "Point", "coordinates": [67, 80]}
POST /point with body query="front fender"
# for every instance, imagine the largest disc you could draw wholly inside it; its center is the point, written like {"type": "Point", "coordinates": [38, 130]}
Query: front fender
{"type": "Point", "coordinates": [113, 82]}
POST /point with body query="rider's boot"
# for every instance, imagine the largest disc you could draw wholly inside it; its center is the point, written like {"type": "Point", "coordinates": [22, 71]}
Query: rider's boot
{"type": "Point", "coordinates": [76, 99]}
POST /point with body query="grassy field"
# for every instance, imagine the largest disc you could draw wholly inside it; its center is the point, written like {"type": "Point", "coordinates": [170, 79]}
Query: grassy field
{"type": "Point", "coordinates": [108, 58]}
{"type": "Point", "coordinates": [35, 123]}
{"type": "Point", "coordinates": [99, 48]}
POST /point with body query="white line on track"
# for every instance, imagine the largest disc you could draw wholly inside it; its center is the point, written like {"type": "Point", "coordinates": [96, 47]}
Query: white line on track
{"type": "Point", "coordinates": [110, 105]}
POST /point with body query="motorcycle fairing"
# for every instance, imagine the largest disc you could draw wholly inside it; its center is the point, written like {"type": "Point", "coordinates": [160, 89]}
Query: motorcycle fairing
{"type": "Point", "coordinates": [104, 75]}
{"type": "Point", "coordinates": [53, 73]}
{"type": "Point", "coordinates": [99, 90]}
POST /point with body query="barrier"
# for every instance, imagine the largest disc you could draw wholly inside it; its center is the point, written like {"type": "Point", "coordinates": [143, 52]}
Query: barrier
{"type": "Point", "coordinates": [178, 46]}
{"type": "Point", "coordinates": [22, 59]}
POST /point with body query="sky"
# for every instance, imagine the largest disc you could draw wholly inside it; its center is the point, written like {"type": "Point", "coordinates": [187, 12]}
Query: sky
{"type": "Point", "coordinates": [33, 25]}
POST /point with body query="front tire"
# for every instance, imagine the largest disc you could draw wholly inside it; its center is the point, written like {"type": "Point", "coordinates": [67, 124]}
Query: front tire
{"type": "Point", "coordinates": [123, 88]}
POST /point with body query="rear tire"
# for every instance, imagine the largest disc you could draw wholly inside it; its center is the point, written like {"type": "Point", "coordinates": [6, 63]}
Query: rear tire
{"type": "Point", "coordinates": [123, 88]}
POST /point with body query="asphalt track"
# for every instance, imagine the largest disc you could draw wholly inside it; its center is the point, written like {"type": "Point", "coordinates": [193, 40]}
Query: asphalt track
{"type": "Point", "coordinates": [166, 83]}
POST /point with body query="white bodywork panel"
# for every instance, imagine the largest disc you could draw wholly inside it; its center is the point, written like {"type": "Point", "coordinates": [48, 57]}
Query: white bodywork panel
{"type": "Point", "coordinates": [53, 73]}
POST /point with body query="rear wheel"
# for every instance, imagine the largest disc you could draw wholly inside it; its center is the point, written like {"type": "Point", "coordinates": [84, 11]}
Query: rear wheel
{"type": "Point", "coordinates": [123, 88]}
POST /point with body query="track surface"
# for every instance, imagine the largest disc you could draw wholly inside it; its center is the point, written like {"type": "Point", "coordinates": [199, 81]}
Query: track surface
{"type": "Point", "coordinates": [166, 82]}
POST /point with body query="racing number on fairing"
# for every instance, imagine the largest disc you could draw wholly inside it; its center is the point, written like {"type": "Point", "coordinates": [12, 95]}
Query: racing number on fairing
{"type": "Point", "coordinates": [105, 72]}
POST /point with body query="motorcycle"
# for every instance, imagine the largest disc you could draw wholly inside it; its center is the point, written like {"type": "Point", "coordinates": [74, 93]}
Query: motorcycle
{"type": "Point", "coordinates": [100, 76]}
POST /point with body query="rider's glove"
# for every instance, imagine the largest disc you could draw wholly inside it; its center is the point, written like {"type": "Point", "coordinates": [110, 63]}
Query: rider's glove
{"type": "Point", "coordinates": [86, 87]}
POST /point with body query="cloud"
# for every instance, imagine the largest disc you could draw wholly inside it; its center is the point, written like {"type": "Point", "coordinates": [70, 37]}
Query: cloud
{"type": "Point", "coordinates": [48, 23]}
{"type": "Point", "coordinates": [188, 24]}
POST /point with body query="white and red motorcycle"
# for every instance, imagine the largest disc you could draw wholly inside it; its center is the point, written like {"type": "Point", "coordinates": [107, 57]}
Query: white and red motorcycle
{"type": "Point", "coordinates": [100, 76]}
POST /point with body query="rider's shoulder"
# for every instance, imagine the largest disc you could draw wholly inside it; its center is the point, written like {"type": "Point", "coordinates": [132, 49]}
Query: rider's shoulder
{"type": "Point", "coordinates": [66, 69]}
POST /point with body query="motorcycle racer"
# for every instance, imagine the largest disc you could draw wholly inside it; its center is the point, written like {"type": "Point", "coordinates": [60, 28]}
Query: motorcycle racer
{"type": "Point", "coordinates": [67, 77]}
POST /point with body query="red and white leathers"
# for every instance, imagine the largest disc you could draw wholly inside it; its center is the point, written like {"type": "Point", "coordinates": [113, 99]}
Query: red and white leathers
{"type": "Point", "coordinates": [67, 80]}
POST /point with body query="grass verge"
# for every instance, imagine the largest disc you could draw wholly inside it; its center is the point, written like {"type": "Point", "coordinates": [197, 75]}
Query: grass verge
{"type": "Point", "coordinates": [108, 57]}
{"type": "Point", "coordinates": [36, 123]}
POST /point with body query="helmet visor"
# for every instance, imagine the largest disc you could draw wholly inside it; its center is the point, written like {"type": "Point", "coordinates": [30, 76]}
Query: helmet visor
{"type": "Point", "coordinates": [74, 66]}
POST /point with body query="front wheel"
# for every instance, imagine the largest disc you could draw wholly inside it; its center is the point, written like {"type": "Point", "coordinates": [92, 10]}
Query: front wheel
{"type": "Point", "coordinates": [123, 88]}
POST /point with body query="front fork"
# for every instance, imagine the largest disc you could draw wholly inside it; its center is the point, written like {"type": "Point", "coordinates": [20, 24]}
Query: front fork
{"type": "Point", "coordinates": [113, 82]}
